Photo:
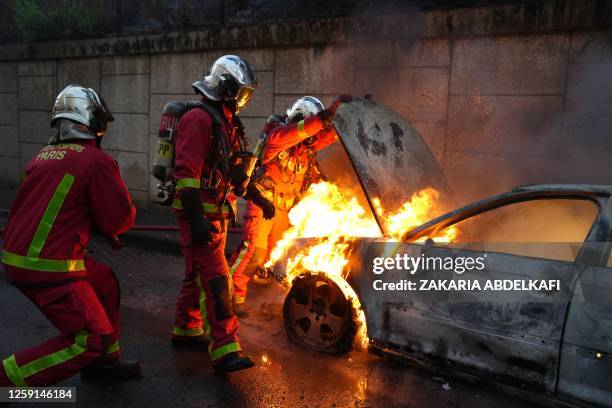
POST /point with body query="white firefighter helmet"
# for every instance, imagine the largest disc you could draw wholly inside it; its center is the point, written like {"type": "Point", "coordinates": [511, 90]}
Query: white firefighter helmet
{"type": "Point", "coordinates": [304, 107]}
{"type": "Point", "coordinates": [231, 78]}
{"type": "Point", "coordinates": [82, 105]}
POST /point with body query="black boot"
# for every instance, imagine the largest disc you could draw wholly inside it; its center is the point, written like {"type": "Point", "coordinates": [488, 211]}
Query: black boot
{"type": "Point", "coordinates": [191, 342]}
{"type": "Point", "coordinates": [233, 362]}
{"type": "Point", "coordinates": [116, 370]}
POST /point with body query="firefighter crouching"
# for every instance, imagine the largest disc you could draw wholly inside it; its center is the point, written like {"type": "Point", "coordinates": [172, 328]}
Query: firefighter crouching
{"type": "Point", "coordinates": [207, 138]}
{"type": "Point", "coordinates": [70, 186]}
{"type": "Point", "coordinates": [288, 167]}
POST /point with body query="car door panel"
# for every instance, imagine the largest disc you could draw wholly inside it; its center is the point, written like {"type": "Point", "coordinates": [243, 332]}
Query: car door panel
{"type": "Point", "coordinates": [515, 338]}
{"type": "Point", "coordinates": [586, 354]}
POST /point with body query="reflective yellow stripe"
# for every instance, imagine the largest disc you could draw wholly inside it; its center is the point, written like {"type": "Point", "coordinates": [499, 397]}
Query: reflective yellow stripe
{"type": "Point", "coordinates": [240, 299]}
{"type": "Point", "coordinates": [300, 128]}
{"type": "Point", "coordinates": [207, 207]}
{"type": "Point", "coordinates": [240, 258]}
{"type": "Point", "coordinates": [113, 348]}
{"type": "Point", "coordinates": [12, 372]}
{"type": "Point", "coordinates": [203, 312]}
{"type": "Point", "coordinates": [48, 218]}
{"type": "Point", "coordinates": [225, 349]}
{"type": "Point", "coordinates": [31, 260]}
{"type": "Point", "coordinates": [43, 265]}
{"type": "Point", "coordinates": [17, 374]}
{"type": "Point", "coordinates": [194, 332]}
{"type": "Point", "coordinates": [187, 182]}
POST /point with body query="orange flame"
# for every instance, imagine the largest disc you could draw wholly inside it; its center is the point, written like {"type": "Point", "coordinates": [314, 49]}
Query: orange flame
{"type": "Point", "coordinates": [337, 220]}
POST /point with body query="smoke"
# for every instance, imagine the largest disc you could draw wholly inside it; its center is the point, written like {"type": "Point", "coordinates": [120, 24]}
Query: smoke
{"type": "Point", "coordinates": [496, 112]}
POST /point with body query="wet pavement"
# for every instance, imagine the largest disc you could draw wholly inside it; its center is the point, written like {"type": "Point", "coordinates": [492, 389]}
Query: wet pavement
{"type": "Point", "coordinates": [286, 375]}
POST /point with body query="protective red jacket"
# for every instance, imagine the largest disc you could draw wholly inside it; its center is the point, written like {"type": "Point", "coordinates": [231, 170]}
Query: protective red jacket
{"type": "Point", "coordinates": [194, 159]}
{"type": "Point", "coordinates": [68, 189]}
{"type": "Point", "coordinates": [289, 138]}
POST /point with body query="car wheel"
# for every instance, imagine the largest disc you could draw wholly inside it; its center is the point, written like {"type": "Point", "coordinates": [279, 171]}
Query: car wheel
{"type": "Point", "coordinates": [318, 316]}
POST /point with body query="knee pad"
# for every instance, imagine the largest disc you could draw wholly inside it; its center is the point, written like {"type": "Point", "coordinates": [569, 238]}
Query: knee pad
{"type": "Point", "coordinates": [223, 295]}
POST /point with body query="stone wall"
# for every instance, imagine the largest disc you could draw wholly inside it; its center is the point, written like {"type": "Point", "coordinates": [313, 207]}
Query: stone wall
{"type": "Point", "coordinates": [498, 108]}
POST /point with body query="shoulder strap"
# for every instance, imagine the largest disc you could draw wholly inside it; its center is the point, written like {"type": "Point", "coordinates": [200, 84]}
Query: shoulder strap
{"type": "Point", "coordinates": [220, 143]}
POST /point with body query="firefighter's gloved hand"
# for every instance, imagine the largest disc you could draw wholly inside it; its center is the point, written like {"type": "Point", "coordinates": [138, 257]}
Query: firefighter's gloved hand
{"type": "Point", "coordinates": [201, 228]}
{"type": "Point", "coordinates": [238, 176]}
{"type": "Point", "coordinates": [326, 116]}
{"type": "Point", "coordinates": [341, 99]}
{"type": "Point", "coordinates": [262, 202]}
{"type": "Point", "coordinates": [268, 209]}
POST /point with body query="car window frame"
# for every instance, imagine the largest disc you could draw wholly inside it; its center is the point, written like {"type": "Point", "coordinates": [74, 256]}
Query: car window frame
{"type": "Point", "coordinates": [603, 205]}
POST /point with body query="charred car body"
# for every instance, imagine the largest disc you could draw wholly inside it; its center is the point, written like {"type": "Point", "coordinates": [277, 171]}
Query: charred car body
{"type": "Point", "coordinates": [556, 343]}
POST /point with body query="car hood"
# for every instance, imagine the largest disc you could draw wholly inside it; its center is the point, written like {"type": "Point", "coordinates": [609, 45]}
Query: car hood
{"type": "Point", "coordinates": [389, 156]}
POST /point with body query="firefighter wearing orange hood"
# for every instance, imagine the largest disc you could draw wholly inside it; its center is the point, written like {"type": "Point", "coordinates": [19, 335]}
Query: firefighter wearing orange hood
{"type": "Point", "coordinates": [288, 167]}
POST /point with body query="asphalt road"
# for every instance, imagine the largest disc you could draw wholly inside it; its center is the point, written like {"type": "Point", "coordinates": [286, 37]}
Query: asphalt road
{"type": "Point", "coordinates": [285, 376]}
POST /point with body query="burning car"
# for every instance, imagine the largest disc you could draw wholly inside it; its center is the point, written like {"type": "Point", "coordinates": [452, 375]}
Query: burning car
{"type": "Point", "coordinates": [551, 342]}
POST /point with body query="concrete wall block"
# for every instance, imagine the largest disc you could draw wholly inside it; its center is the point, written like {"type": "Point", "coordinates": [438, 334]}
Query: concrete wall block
{"type": "Point", "coordinates": [433, 134]}
{"type": "Point", "coordinates": [9, 141]}
{"type": "Point", "coordinates": [421, 94]}
{"type": "Point", "coordinates": [589, 95]}
{"type": "Point", "coordinates": [381, 83]}
{"type": "Point", "coordinates": [591, 46]}
{"type": "Point", "coordinates": [586, 151]}
{"type": "Point", "coordinates": [37, 92]}
{"type": "Point", "coordinates": [128, 133]}
{"type": "Point", "coordinates": [253, 127]}
{"type": "Point", "coordinates": [85, 72]}
{"type": "Point", "coordinates": [374, 54]}
{"type": "Point", "coordinates": [8, 77]}
{"type": "Point", "coordinates": [134, 168]}
{"type": "Point", "coordinates": [524, 125]}
{"type": "Point", "coordinates": [314, 70]}
{"type": "Point", "coordinates": [9, 172]}
{"type": "Point", "coordinates": [510, 65]}
{"type": "Point", "coordinates": [126, 93]}
{"type": "Point", "coordinates": [34, 126]}
{"type": "Point", "coordinates": [422, 53]}
{"type": "Point", "coordinates": [474, 176]}
{"type": "Point", "coordinates": [174, 73]}
{"type": "Point", "coordinates": [28, 150]}
{"type": "Point", "coordinates": [9, 109]}
{"type": "Point", "coordinates": [38, 68]}
{"type": "Point", "coordinates": [152, 143]}
{"type": "Point", "coordinates": [141, 198]}
{"type": "Point", "coordinates": [157, 103]}
{"type": "Point", "coordinates": [263, 97]}
{"type": "Point", "coordinates": [122, 65]}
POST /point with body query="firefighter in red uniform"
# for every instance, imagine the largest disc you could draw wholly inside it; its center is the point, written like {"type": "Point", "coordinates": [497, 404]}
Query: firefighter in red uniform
{"type": "Point", "coordinates": [207, 138]}
{"type": "Point", "coordinates": [70, 186]}
{"type": "Point", "coordinates": [288, 167]}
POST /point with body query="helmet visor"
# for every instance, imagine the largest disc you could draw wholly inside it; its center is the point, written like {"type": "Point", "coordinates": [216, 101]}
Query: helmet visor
{"type": "Point", "coordinates": [244, 95]}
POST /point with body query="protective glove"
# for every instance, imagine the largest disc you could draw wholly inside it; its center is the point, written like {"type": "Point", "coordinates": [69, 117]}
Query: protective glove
{"type": "Point", "coordinates": [201, 228]}
{"type": "Point", "coordinates": [341, 99]}
{"type": "Point", "coordinates": [326, 116]}
{"type": "Point", "coordinates": [262, 202]}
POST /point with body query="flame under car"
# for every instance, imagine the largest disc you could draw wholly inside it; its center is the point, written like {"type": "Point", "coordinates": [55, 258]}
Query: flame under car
{"type": "Point", "coordinates": [550, 343]}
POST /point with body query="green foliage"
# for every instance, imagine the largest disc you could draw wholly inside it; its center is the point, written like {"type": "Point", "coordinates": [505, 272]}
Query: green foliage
{"type": "Point", "coordinates": [68, 17]}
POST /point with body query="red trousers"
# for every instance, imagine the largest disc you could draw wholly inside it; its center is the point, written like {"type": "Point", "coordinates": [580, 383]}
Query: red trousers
{"type": "Point", "coordinates": [86, 313]}
{"type": "Point", "coordinates": [258, 238]}
{"type": "Point", "coordinates": [206, 303]}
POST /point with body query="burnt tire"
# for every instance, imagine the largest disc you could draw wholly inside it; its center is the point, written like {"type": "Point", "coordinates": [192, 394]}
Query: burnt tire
{"type": "Point", "coordinates": [318, 316]}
